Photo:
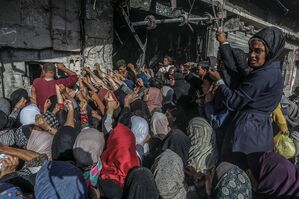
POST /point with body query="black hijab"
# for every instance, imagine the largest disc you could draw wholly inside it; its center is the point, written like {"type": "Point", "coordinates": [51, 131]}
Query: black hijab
{"type": "Point", "coordinates": [63, 142]}
{"type": "Point", "coordinates": [274, 39]}
{"type": "Point", "coordinates": [17, 95]}
{"type": "Point", "coordinates": [179, 143]}
{"type": "Point", "coordinates": [140, 183]}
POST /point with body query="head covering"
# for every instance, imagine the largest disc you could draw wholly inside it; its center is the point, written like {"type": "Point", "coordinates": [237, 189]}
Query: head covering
{"type": "Point", "coordinates": [168, 93]}
{"type": "Point", "coordinates": [63, 142]}
{"type": "Point", "coordinates": [58, 179]}
{"type": "Point", "coordinates": [17, 95]}
{"type": "Point", "coordinates": [155, 99]}
{"type": "Point", "coordinates": [203, 153]}
{"type": "Point", "coordinates": [231, 181]}
{"type": "Point", "coordinates": [295, 136]}
{"type": "Point", "coordinates": [276, 176]}
{"type": "Point", "coordinates": [28, 113]}
{"type": "Point", "coordinates": [5, 106]}
{"type": "Point", "coordinates": [181, 86]}
{"type": "Point", "coordinates": [159, 125]}
{"type": "Point", "coordinates": [140, 183]}
{"type": "Point", "coordinates": [179, 143]}
{"type": "Point", "coordinates": [139, 128]}
{"type": "Point", "coordinates": [168, 171]}
{"type": "Point", "coordinates": [274, 38]}
{"type": "Point", "coordinates": [51, 119]}
{"type": "Point", "coordinates": [120, 62]}
{"type": "Point", "coordinates": [290, 111]}
{"type": "Point", "coordinates": [88, 147]}
{"type": "Point", "coordinates": [40, 142]}
{"type": "Point", "coordinates": [156, 83]}
{"type": "Point", "coordinates": [139, 108]}
{"type": "Point", "coordinates": [120, 155]}
{"type": "Point", "coordinates": [10, 191]}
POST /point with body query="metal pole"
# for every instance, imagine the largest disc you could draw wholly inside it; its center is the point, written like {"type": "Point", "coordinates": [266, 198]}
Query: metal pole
{"type": "Point", "coordinates": [166, 21]}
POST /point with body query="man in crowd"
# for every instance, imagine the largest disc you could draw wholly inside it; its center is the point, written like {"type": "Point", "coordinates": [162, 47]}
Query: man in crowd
{"type": "Point", "coordinates": [44, 87]}
{"type": "Point", "coordinates": [164, 67]}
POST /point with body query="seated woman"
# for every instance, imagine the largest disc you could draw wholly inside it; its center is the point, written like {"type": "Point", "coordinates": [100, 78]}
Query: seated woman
{"type": "Point", "coordinates": [140, 183]}
{"type": "Point", "coordinates": [224, 181]}
{"type": "Point", "coordinates": [118, 158]}
{"type": "Point", "coordinates": [168, 168]}
{"type": "Point", "coordinates": [273, 176]}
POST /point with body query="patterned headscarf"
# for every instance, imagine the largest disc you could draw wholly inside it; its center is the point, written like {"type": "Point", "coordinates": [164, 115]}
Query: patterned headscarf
{"type": "Point", "coordinates": [168, 171]}
{"type": "Point", "coordinates": [203, 153]}
{"type": "Point", "coordinates": [51, 119]}
{"type": "Point", "coordinates": [231, 182]}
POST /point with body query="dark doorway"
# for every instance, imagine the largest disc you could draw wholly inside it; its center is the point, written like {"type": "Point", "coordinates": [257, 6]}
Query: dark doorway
{"type": "Point", "coordinates": [34, 70]}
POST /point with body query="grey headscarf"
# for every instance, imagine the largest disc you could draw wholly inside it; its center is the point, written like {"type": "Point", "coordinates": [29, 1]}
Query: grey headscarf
{"type": "Point", "coordinates": [203, 154]}
{"type": "Point", "coordinates": [5, 106]}
{"type": "Point", "coordinates": [88, 147]}
{"type": "Point", "coordinates": [159, 125]}
{"type": "Point", "coordinates": [168, 171]}
{"type": "Point", "coordinates": [290, 111]}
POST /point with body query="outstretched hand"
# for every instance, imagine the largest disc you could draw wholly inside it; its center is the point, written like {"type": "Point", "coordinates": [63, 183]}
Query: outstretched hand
{"type": "Point", "coordinates": [214, 75]}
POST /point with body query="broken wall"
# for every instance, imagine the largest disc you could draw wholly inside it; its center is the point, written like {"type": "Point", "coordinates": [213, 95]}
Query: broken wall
{"type": "Point", "coordinates": [74, 32]}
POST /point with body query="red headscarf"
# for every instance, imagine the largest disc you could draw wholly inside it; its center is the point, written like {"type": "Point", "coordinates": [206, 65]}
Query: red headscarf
{"type": "Point", "coordinates": [120, 155]}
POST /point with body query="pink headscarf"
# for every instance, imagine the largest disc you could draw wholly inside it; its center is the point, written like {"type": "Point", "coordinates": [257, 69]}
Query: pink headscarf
{"type": "Point", "coordinates": [155, 98]}
{"type": "Point", "coordinates": [40, 142]}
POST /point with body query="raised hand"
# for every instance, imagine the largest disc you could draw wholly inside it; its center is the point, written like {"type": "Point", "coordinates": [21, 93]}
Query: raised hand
{"type": "Point", "coordinates": [21, 103]}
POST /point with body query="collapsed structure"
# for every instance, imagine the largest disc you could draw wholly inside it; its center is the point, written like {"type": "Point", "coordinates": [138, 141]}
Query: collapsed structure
{"type": "Point", "coordinates": [84, 32]}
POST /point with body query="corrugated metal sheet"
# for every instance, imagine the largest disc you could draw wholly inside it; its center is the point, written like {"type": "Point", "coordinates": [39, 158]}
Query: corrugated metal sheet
{"type": "Point", "coordinates": [239, 40]}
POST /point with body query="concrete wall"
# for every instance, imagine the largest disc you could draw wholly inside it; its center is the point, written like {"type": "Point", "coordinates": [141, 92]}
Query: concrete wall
{"type": "Point", "coordinates": [79, 31]}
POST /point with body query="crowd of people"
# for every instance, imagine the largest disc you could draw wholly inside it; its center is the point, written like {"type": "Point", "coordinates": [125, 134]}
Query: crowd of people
{"type": "Point", "coordinates": [186, 131]}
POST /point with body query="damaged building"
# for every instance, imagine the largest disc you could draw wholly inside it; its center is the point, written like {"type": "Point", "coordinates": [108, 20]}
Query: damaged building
{"type": "Point", "coordinates": [84, 32]}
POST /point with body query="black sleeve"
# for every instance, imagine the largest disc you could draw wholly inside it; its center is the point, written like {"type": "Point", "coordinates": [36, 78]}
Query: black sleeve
{"type": "Point", "coordinates": [227, 57]}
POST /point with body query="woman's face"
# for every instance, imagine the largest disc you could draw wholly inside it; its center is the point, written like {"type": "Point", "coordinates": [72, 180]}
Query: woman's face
{"type": "Point", "coordinates": [257, 54]}
{"type": "Point", "coordinates": [166, 61]}
{"type": "Point", "coordinates": [205, 86]}
{"type": "Point", "coordinates": [171, 71]}
{"type": "Point", "coordinates": [146, 95]}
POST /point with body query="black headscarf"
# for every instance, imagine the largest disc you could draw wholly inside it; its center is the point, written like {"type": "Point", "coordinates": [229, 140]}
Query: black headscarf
{"type": "Point", "coordinates": [240, 58]}
{"type": "Point", "coordinates": [63, 142]}
{"type": "Point", "coordinates": [179, 143]}
{"type": "Point", "coordinates": [53, 100]}
{"type": "Point", "coordinates": [139, 108]}
{"type": "Point", "coordinates": [274, 38]}
{"type": "Point", "coordinates": [140, 183]}
{"type": "Point", "coordinates": [17, 95]}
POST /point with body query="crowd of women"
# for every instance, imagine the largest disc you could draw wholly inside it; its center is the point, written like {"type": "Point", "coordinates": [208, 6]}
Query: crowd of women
{"type": "Point", "coordinates": [178, 132]}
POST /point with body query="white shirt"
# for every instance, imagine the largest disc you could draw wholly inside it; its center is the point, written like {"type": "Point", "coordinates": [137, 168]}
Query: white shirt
{"type": "Point", "coordinates": [164, 69]}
